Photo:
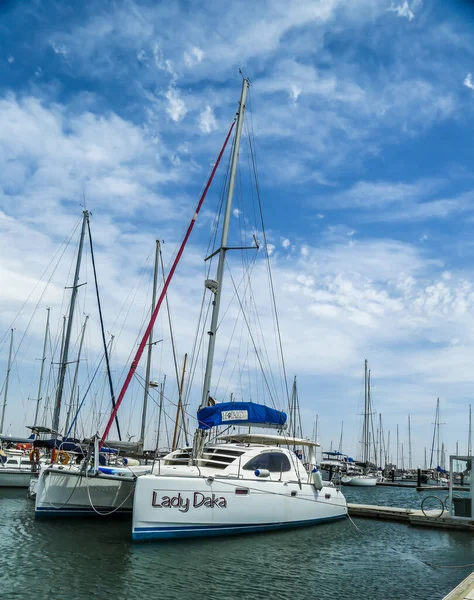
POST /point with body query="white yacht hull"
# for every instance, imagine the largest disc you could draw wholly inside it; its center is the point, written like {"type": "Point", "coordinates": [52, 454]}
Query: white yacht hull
{"type": "Point", "coordinates": [19, 478]}
{"type": "Point", "coordinates": [186, 506]}
{"type": "Point", "coordinates": [359, 481]}
{"type": "Point", "coordinates": [68, 493]}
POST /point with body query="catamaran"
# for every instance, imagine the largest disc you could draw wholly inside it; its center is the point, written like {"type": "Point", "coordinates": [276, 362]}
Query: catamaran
{"type": "Point", "coordinates": [245, 482]}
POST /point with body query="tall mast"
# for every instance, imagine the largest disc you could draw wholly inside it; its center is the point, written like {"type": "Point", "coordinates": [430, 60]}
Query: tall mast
{"type": "Point", "coordinates": [179, 409]}
{"type": "Point", "coordinates": [162, 389]}
{"type": "Point", "coordinates": [364, 431]}
{"type": "Point", "coordinates": [437, 436]}
{"type": "Point", "coordinates": [5, 395]}
{"type": "Point", "coordinates": [434, 433]}
{"type": "Point", "coordinates": [38, 400]}
{"type": "Point", "coordinates": [409, 443]}
{"type": "Point", "coordinates": [65, 353]}
{"type": "Point", "coordinates": [398, 440]}
{"type": "Point", "coordinates": [469, 437]}
{"type": "Point", "coordinates": [76, 371]}
{"type": "Point", "coordinates": [150, 350]}
{"type": "Point", "coordinates": [426, 464]}
{"type": "Point", "coordinates": [340, 439]}
{"type": "Point", "coordinates": [222, 250]}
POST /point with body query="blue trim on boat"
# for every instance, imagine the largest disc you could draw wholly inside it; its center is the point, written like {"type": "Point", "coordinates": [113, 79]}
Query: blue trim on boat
{"type": "Point", "coordinates": [45, 511]}
{"type": "Point", "coordinates": [163, 533]}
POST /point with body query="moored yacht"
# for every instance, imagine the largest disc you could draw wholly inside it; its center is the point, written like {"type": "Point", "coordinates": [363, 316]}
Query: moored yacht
{"type": "Point", "coordinates": [245, 483]}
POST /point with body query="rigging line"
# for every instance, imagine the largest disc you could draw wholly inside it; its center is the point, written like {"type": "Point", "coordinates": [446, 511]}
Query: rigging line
{"type": "Point", "coordinates": [236, 319]}
{"type": "Point", "coordinates": [269, 271]}
{"type": "Point", "coordinates": [157, 403]}
{"type": "Point", "coordinates": [66, 241]}
{"type": "Point", "coordinates": [197, 346]}
{"type": "Point", "coordinates": [142, 345]}
{"type": "Point", "coordinates": [253, 342]}
{"type": "Point", "coordinates": [253, 151]}
{"type": "Point", "coordinates": [173, 344]}
{"type": "Point", "coordinates": [254, 308]}
{"type": "Point", "coordinates": [84, 397]}
{"type": "Point", "coordinates": [107, 363]}
{"type": "Point", "coordinates": [41, 297]}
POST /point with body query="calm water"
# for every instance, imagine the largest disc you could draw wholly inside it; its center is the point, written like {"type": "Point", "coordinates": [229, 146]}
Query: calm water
{"type": "Point", "coordinates": [84, 560]}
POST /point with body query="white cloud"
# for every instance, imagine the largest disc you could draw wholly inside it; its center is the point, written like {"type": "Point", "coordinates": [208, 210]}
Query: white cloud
{"type": "Point", "coordinates": [60, 49]}
{"type": "Point", "coordinates": [403, 10]}
{"type": "Point", "coordinates": [270, 249]}
{"type": "Point", "coordinates": [142, 57]}
{"type": "Point", "coordinates": [295, 93]}
{"type": "Point", "coordinates": [468, 81]}
{"type": "Point", "coordinates": [207, 121]}
{"type": "Point", "coordinates": [423, 238]}
{"type": "Point", "coordinates": [11, 59]}
{"type": "Point", "coordinates": [304, 251]}
{"type": "Point", "coordinates": [286, 243]}
{"type": "Point", "coordinates": [193, 57]}
{"type": "Point", "coordinates": [236, 212]}
{"type": "Point", "coordinates": [176, 106]}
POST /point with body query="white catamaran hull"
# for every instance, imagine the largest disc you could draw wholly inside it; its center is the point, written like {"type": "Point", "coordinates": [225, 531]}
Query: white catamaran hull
{"type": "Point", "coordinates": [359, 481]}
{"type": "Point", "coordinates": [186, 506]}
{"type": "Point", "coordinates": [70, 493]}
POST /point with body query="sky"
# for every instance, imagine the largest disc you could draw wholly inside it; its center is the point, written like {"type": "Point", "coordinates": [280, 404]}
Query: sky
{"type": "Point", "coordinates": [363, 115]}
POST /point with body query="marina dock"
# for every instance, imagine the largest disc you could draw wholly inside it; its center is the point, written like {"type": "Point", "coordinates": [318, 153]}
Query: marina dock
{"type": "Point", "coordinates": [414, 517]}
{"type": "Point", "coordinates": [464, 591]}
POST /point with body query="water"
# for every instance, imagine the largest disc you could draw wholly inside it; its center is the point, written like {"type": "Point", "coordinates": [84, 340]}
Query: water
{"type": "Point", "coordinates": [86, 560]}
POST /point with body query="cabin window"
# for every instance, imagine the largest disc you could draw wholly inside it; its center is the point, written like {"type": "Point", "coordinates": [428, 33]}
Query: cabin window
{"type": "Point", "coordinates": [12, 461]}
{"type": "Point", "coordinates": [275, 462]}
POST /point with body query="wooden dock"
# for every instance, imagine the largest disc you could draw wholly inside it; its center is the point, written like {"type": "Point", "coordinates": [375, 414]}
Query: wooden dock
{"type": "Point", "coordinates": [414, 517]}
{"type": "Point", "coordinates": [464, 591]}
{"type": "Point", "coordinates": [422, 488]}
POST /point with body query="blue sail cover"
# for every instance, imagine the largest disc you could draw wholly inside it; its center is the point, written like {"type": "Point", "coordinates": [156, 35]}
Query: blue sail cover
{"type": "Point", "coordinates": [240, 413]}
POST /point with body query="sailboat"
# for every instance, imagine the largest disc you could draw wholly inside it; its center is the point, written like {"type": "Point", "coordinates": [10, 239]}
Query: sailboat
{"type": "Point", "coordinates": [359, 474]}
{"type": "Point", "coordinates": [243, 482]}
{"type": "Point", "coordinates": [92, 488]}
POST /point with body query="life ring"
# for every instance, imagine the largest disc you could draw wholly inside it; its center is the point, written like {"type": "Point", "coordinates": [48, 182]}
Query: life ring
{"type": "Point", "coordinates": [63, 457]}
{"type": "Point", "coordinates": [35, 455]}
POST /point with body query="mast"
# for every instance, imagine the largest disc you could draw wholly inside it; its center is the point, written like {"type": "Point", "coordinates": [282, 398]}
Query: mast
{"type": "Point", "coordinates": [5, 395]}
{"type": "Point", "coordinates": [388, 448]}
{"type": "Point", "coordinates": [437, 439]}
{"type": "Point", "coordinates": [217, 286]}
{"type": "Point", "coordinates": [398, 441]}
{"type": "Point", "coordinates": [365, 427]}
{"type": "Point", "coordinates": [426, 464]}
{"type": "Point", "coordinates": [76, 370]}
{"type": "Point", "coordinates": [180, 405]}
{"type": "Point", "coordinates": [38, 400]}
{"type": "Point", "coordinates": [409, 443]}
{"type": "Point", "coordinates": [65, 353]}
{"type": "Point", "coordinates": [434, 434]}
{"type": "Point", "coordinates": [141, 441]}
{"type": "Point", "coordinates": [469, 437]}
{"type": "Point", "coordinates": [340, 439]}
{"type": "Point", "coordinates": [162, 388]}
{"type": "Point", "coordinates": [380, 442]}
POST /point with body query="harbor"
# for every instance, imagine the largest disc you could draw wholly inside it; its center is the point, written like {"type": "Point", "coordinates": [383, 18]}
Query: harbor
{"type": "Point", "coordinates": [236, 300]}
{"type": "Point", "coordinates": [44, 562]}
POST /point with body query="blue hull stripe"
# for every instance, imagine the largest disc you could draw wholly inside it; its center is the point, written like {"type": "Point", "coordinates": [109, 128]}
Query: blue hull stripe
{"type": "Point", "coordinates": [45, 511]}
{"type": "Point", "coordinates": [161, 533]}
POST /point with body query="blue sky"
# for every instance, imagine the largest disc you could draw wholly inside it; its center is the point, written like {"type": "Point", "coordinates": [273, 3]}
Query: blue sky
{"type": "Point", "coordinates": [363, 116]}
